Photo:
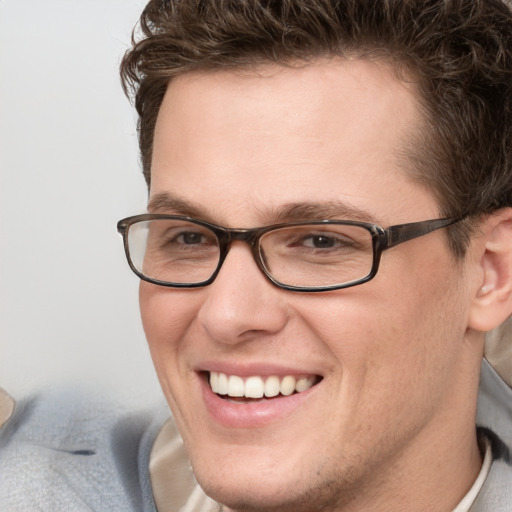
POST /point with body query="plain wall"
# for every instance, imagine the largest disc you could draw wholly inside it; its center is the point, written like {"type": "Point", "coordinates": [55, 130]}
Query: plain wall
{"type": "Point", "coordinates": [69, 169]}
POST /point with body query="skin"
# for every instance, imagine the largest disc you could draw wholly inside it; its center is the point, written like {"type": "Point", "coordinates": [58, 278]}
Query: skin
{"type": "Point", "coordinates": [391, 424]}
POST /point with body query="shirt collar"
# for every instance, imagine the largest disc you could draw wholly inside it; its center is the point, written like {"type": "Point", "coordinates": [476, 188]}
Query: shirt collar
{"type": "Point", "coordinates": [172, 479]}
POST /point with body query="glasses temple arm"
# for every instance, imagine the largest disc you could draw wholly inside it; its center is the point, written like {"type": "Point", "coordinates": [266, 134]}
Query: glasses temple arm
{"type": "Point", "coordinates": [403, 232]}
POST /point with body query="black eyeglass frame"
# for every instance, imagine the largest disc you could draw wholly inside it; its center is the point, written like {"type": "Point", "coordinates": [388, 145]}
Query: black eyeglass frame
{"type": "Point", "coordinates": [382, 239]}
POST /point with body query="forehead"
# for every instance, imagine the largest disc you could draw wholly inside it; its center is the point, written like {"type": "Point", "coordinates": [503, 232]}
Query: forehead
{"type": "Point", "coordinates": [250, 140]}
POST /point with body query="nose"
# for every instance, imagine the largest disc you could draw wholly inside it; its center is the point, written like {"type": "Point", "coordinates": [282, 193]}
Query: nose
{"type": "Point", "coordinates": [242, 303]}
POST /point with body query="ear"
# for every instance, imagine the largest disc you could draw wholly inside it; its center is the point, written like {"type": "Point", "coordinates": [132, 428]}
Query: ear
{"type": "Point", "coordinates": [492, 250]}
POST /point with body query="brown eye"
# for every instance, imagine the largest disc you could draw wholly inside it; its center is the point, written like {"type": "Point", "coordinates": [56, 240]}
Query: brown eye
{"type": "Point", "coordinates": [191, 238]}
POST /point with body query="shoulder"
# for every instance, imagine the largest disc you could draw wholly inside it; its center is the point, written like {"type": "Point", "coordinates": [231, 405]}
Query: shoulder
{"type": "Point", "coordinates": [495, 422]}
{"type": "Point", "coordinates": [65, 451]}
{"type": "Point", "coordinates": [495, 404]}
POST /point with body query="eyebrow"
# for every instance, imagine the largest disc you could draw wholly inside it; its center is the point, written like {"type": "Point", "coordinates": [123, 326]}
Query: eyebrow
{"type": "Point", "coordinates": [168, 203]}
{"type": "Point", "coordinates": [330, 210]}
{"type": "Point", "coordinates": [288, 212]}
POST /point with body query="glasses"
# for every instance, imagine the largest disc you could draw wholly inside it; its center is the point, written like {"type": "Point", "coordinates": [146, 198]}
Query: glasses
{"type": "Point", "coordinates": [182, 252]}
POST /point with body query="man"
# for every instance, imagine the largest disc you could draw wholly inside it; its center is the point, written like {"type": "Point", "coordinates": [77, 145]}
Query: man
{"type": "Point", "coordinates": [329, 237]}
{"type": "Point", "coordinates": [289, 148]}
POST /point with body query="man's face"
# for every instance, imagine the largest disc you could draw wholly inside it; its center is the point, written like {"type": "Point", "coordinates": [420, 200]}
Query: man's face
{"type": "Point", "coordinates": [238, 150]}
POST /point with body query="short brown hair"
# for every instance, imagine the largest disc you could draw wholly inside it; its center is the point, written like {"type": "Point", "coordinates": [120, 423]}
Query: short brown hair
{"type": "Point", "coordinates": [458, 51]}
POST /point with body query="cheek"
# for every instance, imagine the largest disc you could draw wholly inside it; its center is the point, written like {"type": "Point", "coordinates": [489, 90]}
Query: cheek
{"type": "Point", "coordinates": [166, 318]}
{"type": "Point", "coordinates": [388, 378]}
{"type": "Point", "coordinates": [382, 350]}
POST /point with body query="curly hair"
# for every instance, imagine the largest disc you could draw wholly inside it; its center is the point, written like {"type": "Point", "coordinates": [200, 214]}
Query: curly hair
{"type": "Point", "coordinates": [458, 52]}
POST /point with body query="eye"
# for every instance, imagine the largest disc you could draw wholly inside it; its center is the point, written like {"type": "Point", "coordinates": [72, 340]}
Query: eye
{"type": "Point", "coordinates": [190, 238]}
{"type": "Point", "coordinates": [322, 241]}
{"type": "Point", "coordinates": [310, 240]}
{"type": "Point", "coordinates": [172, 236]}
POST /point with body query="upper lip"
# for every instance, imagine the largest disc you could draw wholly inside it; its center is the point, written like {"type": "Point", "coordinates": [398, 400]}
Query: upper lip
{"type": "Point", "coordinates": [253, 369]}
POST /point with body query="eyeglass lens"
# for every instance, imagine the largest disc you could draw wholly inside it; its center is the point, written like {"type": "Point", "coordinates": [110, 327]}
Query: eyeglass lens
{"type": "Point", "coordinates": [308, 255]}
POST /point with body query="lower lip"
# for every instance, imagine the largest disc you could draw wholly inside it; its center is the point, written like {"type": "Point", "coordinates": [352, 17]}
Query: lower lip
{"type": "Point", "coordinates": [251, 414]}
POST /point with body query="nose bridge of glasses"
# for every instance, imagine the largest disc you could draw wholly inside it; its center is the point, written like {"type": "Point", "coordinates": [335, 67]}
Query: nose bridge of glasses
{"type": "Point", "coordinates": [248, 236]}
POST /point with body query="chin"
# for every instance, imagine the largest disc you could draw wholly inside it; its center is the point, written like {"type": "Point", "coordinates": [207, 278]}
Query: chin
{"type": "Point", "coordinates": [254, 495]}
{"type": "Point", "coordinates": [251, 496]}
{"type": "Point", "coordinates": [246, 483]}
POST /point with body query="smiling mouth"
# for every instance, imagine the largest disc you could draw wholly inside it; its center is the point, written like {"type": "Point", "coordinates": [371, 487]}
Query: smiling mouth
{"type": "Point", "coordinates": [256, 387]}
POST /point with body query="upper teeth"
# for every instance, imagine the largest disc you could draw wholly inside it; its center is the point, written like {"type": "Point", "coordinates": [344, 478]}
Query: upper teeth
{"type": "Point", "coordinates": [257, 387]}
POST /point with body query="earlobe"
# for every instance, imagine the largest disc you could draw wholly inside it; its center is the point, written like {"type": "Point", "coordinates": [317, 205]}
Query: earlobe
{"type": "Point", "coordinates": [492, 302]}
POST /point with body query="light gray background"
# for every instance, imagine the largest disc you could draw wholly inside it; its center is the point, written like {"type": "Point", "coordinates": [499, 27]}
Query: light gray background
{"type": "Point", "coordinates": [69, 170]}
